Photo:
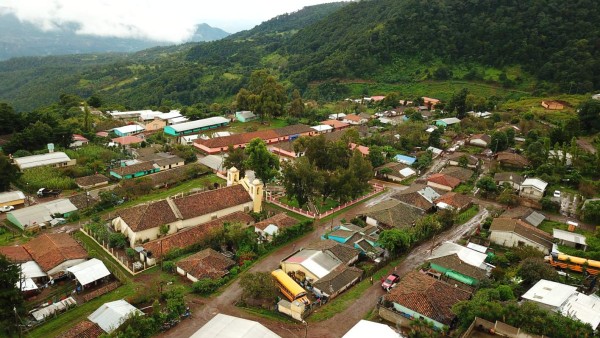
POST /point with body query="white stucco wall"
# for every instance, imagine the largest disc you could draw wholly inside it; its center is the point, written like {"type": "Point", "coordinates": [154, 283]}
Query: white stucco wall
{"type": "Point", "coordinates": [512, 239]}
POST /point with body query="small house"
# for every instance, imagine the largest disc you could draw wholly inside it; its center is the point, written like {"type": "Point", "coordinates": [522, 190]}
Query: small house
{"type": "Point", "coordinates": [453, 201]}
{"type": "Point", "coordinates": [396, 172]}
{"type": "Point", "coordinates": [126, 140]}
{"type": "Point", "coordinates": [222, 325]}
{"type": "Point", "coordinates": [78, 141]}
{"type": "Point", "coordinates": [40, 214]}
{"type": "Point", "coordinates": [92, 181]}
{"type": "Point", "coordinates": [355, 119]}
{"type": "Point", "coordinates": [419, 196]}
{"type": "Point", "coordinates": [511, 178]}
{"type": "Point", "coordinates": [128, 130]}
{"type": "Point", "coordinates": [336, 116]}
{"type": "Point", "coordinates": [323, 128]}
{"type": "Point", "coordinates": [155, 124]}
{"type": "Point", "coordinates": [569, 238]}
{"type": "Point", "coordinates": [135, 170]}
{"type": "Point", "coordinates": [512, 159]}
{"type": "Point", "coordinates": [206, 264]}
{"type": "Point", "coordinates": [245, 116]}
{"type": "Point", "coordinates": [443, 182]}
{"type": "Point", "coordinates": [447, 122]}
{"type": "Point", "coordinates": [393, 214]}
{"type": "Point", "coordinates": [553, 105]}
{"type": "Point", "coordinates": [271, 226]}
{"type": "Point", "coordinates": [514, 233]}
{"type": "Point", "coordinates": [335, 124]}
{"type": "Point", "coordinates": [55, 253]}
{"type": "Point", "coordinates": [419, 296]}
{"type": "Point", "coordinates": [480, 140]}
{"type": "Point", "coordinates": [459, 159]}
{"type": "Point", "coordinates": [533, 188]}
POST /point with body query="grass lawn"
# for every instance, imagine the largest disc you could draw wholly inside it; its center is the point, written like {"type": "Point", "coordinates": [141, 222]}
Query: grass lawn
{"type": "Point", "coordinates": [299, 217]}
{"type": "Point", "coordinates": [464, 188]}
{"type": "Point", "coordinates": [323, 207]}
{"type": "Point", "coordinates": [269, 314]}
{"type": "Point", "coordinates": [63, 322]}
{"type": "Point", "coordinates": [548, 225]}
{"type": "Point", "coordinates": [466, 215]}
{"type": "Point", "coordinates": [239, 127]}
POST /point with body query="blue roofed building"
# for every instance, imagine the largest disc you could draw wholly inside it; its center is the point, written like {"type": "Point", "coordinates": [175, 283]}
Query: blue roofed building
{"type": "Point", "coordinates": [408, 160]}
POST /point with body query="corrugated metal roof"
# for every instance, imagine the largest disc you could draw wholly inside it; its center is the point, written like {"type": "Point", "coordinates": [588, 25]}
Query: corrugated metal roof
{"type": "Point", "coordinates": [568, 236]}
{"type": "Point", "coordinates": [89, 271]}
{"type": "Point", "coordinates": [41, 160]}
{"type": "Point", "coordinates": [225, 326]}
{"type": "Point", "coordinates": [10, 196]}
{"type": "Point", "coordinates": [199, 123]}
{"type": "Point", "coordinates": [43, 212]}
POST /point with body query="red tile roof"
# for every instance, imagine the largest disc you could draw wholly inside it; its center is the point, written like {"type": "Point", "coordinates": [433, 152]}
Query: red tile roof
{"type": "Point", "coordinates": [148, 216]}
{"type": "Point", "coordinates": [206, 264]}
{"type": "Point", "coordinates": [455, 200]}
{"type": "Point", "coordinates": [134, 168]}
{"type": "Point", "coordinates": [512, 159]}
{"type": "Point", "coordinates": [193, 235]}
{"type": "Point", "coordinates": [15, 254]}
{"type": "Point", "coordinates": [444, 180]}
{"type": "Point", "coordinates": [77, 137]}
{"type": "Point", "coordinates": [353, 118]}
{"type": "Point", "coordinates": [211, 201]}
{"type": "Point", "coordinates": [335, 124]}
{"type": "Point", "coordinates": [126, 140]}
{"type": "Point", "coordinates": [363, 150]}
{"type": "Point", "coordinates": [50, 250]}
{"type": "Point", "coordinates": [83, 329]}
{"type": "Point", "coordinates": [242, 139]}
{"type": "Point", "coordinates": [86, 181]}
{"type": "Point", "coordinates": [427, 296]}
{"type": "Point", "coordinates": [281, 220]}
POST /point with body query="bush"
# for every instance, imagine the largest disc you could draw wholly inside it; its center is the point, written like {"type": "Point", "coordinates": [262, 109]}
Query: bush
{"type": "Point", "coordinates": [206, 286]}
{"type": "Point", "coordinates": [130, 252]}
{"type": "Point", "coordinates": [45, 177]}
{"type": "Point", "coordinates": [117, 240]}
{"type": "Point", "coordinates": [549, 205]}
{"type": "Point", "coordinates": [168, 266]}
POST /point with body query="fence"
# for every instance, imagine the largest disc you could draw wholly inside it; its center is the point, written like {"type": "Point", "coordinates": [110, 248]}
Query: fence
{"type": "Point", "coordinates": [121, 260]}
{"type": "Point", "coordinates": [377, 188]}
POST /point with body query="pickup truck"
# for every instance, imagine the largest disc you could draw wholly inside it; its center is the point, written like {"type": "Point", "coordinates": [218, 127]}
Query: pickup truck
{"type": "Point", "coordinates": [43, 192]}
{"type": "Point", "coordinates": [390, 281]}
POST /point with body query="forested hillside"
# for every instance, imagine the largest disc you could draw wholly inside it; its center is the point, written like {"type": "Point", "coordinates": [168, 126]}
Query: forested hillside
{"type": "Point", "coordinates": [530, 46]}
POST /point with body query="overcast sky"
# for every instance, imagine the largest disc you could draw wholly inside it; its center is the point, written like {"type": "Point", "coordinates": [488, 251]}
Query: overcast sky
{"type": "Point", "coordinates": [164, 20]}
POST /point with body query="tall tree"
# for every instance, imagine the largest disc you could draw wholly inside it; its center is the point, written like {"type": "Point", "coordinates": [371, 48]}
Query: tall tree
{"type": "Point", "coordinates": [301, 180]}
{"type": "Point", "coordinates": [499, 141]}
{"type": "Point", "coordinates": [589, 116]}
{"type": "Point", "coordinates": [296, 106]}
{"type": "Point", "coordinates": [236, 158]}
{"type": "Point", "coordinates": [10, 173]}
{"type": "Point", "coordinates": [264, 164]}
{"type": "Point", "coordinates": [458, 103]}
{"type": "Point", "coordinates": [12, 308]}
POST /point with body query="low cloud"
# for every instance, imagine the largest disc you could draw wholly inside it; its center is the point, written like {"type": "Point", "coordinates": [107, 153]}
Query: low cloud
{"type": "Point", "coordinates": [173, 21]}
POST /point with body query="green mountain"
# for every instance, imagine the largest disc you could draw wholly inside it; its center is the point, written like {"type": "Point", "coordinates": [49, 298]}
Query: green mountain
{"type": "Point", "coordinates": [527, 45]}
{"type": "Point", "coordinates": [25, 39]}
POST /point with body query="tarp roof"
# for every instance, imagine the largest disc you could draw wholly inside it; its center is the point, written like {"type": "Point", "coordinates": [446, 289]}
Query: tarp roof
{"type": "Point", "coordinates": [27, 284]}
{"type": "Point", "coordinates": [89, 271]}
{"type": "Point", "coordinates": [31, 269]}
{"type": "Point", "coordinates": [224, 326]}
{"type": "Point", "coordinates": [52, 308]}
{"type": "Point", "coordinates": [111, 315]}
{"type": "Point", "coordinates": [10, 196]}
{"type": "Point", "coordinates": [568, 236]}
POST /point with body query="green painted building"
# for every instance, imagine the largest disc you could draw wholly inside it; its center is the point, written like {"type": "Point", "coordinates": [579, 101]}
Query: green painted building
{"type": "Point", "coordinates": [194, 127]}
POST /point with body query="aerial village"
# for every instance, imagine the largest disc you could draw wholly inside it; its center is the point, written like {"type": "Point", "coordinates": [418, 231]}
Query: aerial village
{"type": "Point", "coordinates": [381, 219]}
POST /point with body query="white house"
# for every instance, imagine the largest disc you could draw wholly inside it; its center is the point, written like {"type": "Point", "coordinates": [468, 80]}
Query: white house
{"type": "Point", "coordinates": [516, 233]}
{"type": "Point", "coordinates": [323, 128]}
{"type": "Point", "coordinates": [533, 188]}
{"type": "Point", "coordinates": [55, 159]}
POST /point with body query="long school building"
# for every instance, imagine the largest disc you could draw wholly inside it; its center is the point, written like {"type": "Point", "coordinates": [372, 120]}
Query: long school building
{"type": "Point", "coordinates": [194, 127]}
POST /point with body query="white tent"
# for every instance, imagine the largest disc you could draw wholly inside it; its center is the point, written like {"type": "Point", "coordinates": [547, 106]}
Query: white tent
{"type": "Point", "coordinates": [53, 308]}
{"type": "Point", "coordinates": [366, 328]}
{"type": "Point", "coordinates": [111, 315]}
{"type": "Point", "coordinates": [89, 271]}
{"type": "Point", "coordinates": [224, 326]}
{"type": "Point", "coordinates": [27, 284]}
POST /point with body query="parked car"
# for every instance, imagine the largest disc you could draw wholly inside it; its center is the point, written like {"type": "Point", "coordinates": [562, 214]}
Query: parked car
{"type": "Point", "coordinates": [390, 281]}
{"type": "Point", "coordinates": [557, 193]}
{"type": "Point", "coordinates": [6, 208]}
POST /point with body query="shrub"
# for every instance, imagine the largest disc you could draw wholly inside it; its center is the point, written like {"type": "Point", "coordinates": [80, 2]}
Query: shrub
{"type": "Point", "coordinates": [130, 252]}
{"type": "Point", "coordinates": [206, 286]}
{"type": "Point", "coordinates": [45, 177]}
{"type": "Point", "coordinates": [117, 240]}
{"type": "Point", "coordinates": [168, 266]}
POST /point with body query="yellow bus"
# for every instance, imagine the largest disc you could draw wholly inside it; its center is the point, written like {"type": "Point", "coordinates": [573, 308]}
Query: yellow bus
{"type": "Point", "coordinates": [290, 289]}
{"type": "Point", "coordinates": [574, 263]}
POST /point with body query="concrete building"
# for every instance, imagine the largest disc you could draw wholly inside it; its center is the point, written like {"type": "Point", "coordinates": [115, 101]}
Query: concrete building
{"type": "Point", "coordinates": [194, 127]}
{"type": "Point", "coordinates": [41, 214]}
{"type": "Point", "coordinates": [207, 263]}
{"type": "Point", "coordinates": [516, 233]}
{"type": "Point", "coordinates": [245, 116]}
{"type": "Point", "coordinates": [128, 130]}
{"type": "Point", "coordinates": [14, 198]}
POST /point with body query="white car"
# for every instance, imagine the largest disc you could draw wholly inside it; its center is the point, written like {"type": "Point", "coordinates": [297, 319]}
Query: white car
{"type": "Point", "coordinates": [557, 193]}
{"type": "Point", "coordinates": [6, 208]}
